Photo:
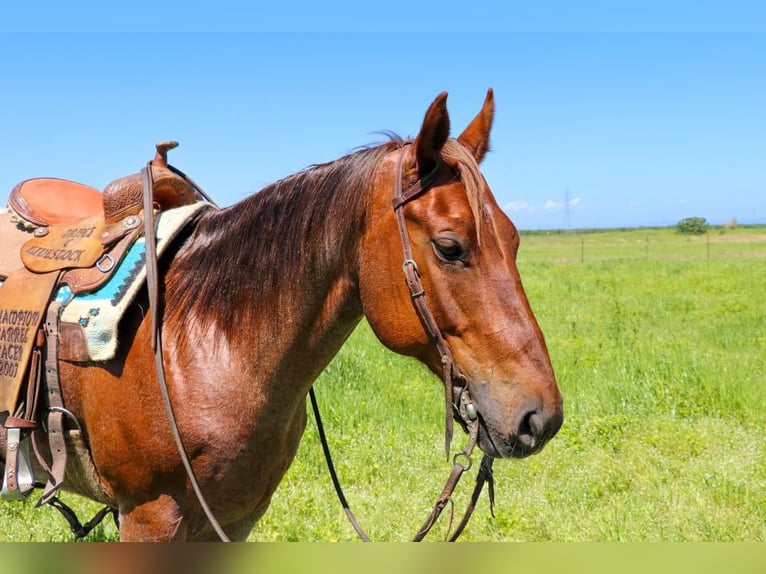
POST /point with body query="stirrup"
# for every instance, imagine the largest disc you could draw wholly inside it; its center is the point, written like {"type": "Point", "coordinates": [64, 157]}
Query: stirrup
{"type": "Point", "coordinates": [18, 478]}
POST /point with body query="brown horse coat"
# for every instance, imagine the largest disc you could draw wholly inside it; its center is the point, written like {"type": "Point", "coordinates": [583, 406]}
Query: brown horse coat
{"type": "Point", "coordinates": [260, 296]}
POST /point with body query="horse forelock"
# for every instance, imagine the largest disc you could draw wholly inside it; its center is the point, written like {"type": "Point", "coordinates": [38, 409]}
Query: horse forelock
{"type": "Point", "coordinates": [471, 177]}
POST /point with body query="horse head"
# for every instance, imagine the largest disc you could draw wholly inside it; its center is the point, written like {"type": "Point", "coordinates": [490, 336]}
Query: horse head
{"type": "Point", "coordinates": [462, 248]}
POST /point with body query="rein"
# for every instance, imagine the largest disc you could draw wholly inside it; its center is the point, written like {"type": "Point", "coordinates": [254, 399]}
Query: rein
{"type": "Point", "coordinates": [152, 283]}
{"type": "Point", "coordinates": [454, 380]}
{"type": "Point", "coordinates": [455, 383]}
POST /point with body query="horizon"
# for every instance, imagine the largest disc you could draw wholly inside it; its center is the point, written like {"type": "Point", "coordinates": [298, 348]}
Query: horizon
{"type": "Point", "coordinates": [710, 226]}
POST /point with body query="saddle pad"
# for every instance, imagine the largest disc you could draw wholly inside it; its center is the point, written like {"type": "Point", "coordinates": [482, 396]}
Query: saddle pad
{"type": "Point", "coordinates": [98, 313]}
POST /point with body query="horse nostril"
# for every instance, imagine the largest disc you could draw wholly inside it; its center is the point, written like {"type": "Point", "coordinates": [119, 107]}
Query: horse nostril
{"type": "Point", "coordinates": [537, 427]}
{"type": "Point", "coordinates": [530, 427]}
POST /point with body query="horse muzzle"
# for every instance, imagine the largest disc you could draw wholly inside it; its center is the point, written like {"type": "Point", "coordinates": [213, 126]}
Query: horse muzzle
{"type": "Point", "coordinates": [532, 428]}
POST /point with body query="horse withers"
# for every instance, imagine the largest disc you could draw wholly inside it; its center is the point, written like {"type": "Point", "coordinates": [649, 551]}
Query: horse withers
{"type": "Point", "coordinates": [259, 297]}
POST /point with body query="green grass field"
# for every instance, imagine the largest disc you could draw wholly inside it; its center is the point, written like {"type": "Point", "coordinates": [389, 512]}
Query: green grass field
{"type": "Point", "coordinates": [659, 345]}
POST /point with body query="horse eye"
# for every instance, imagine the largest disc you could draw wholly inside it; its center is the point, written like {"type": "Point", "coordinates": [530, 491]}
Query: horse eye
{"type": "Point", "coordinates": [449, 249]}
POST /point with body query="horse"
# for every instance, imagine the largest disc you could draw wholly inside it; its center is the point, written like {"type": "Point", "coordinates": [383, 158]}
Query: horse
{"type": "Point", "coordinates": [259, 297]}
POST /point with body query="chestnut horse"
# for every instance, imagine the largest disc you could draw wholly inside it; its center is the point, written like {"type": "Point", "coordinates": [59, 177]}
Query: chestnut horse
{"type": "Point", "coordinates": [260, 296]}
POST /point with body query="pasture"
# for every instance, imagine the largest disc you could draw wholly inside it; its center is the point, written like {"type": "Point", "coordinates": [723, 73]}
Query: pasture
{"type": "Point", "coordinates": [658, 341]}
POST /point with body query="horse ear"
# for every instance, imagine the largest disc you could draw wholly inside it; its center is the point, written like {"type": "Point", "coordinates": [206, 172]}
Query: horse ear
{"type": "Point", "coordinates": [433, 133]}
{"type": "Point", "coordinates": [476, 136]}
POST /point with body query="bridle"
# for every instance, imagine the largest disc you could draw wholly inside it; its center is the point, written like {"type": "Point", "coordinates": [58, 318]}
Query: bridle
{"type": "Point", "coordinates": [454, 380]}
{"type": "Point", "coordinates": [458, 402]}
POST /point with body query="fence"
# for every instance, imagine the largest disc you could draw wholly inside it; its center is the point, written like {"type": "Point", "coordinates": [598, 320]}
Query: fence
{"type": "Point", "coordinates": [664, 243]}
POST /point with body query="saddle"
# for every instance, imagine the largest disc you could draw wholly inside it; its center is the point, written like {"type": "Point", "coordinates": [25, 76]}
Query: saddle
{"type": "Point", "coordinates": [55, 233]}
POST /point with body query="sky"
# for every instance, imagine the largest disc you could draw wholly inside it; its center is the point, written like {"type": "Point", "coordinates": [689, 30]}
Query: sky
{"type": "Point", "coordinates": [639, 120]}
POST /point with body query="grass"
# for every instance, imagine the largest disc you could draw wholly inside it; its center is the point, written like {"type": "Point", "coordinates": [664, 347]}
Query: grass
{"type": "Point", "coordinates": [658, 344]}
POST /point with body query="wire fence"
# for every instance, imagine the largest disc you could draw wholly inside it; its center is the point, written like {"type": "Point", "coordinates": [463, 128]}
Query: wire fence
{"type": "Point", "coordinates": [660, 244]}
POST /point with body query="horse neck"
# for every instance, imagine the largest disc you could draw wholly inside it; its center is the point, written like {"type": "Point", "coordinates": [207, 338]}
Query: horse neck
{"type": "Point", "coordinates": [282, 300]}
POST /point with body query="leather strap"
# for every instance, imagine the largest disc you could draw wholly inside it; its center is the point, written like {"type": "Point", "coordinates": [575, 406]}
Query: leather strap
{"type": "Point", "coordinates": [34, 380]}
{"type": "Point", "coordinates": [416, 189]}
{"type": "Point", "coordinates": [331, 467]}
{"type": "Point", "coordinates": [484, 476]}
{"type": "Point", "coordinates": [452, 377]}
{"type": "Point", "coordinates": [152, 282]}
{"type": "Point", "coordinates": [55, 405]}
{"type": "Point", "coordinates": [78, 529]}
{"type": "Point", "coordinates": [451, 374]}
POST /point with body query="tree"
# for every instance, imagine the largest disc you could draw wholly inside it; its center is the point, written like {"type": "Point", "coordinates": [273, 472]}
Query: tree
{"type": "Point", "coordinates": [692, 226]}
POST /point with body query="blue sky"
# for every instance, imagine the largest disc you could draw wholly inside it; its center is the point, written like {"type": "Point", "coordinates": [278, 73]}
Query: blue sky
{"type": "Point", "coordinates": [640, 126]}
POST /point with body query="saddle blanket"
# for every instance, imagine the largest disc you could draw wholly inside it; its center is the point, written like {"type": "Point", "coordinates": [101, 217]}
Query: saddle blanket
{"type": "Point", "coordinates": [98, 313]}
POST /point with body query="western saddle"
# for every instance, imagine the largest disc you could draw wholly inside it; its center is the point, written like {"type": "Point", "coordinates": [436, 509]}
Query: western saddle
{"type": "Point", "coordinates": [54, 233]}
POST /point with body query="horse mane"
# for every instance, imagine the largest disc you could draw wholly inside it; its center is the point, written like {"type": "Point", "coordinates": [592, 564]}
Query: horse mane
{"type": "Point", "coordinates": [292, 228]}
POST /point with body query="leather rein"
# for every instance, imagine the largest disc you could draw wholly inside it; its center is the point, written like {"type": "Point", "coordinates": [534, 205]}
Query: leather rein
{"type": "Point", "coordinates": [458, 403]}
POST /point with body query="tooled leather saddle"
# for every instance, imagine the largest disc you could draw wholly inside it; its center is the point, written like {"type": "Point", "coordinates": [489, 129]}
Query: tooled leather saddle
{"type": "Point", "coordinates": [57, 232]}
